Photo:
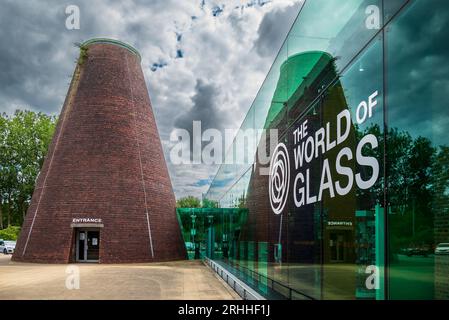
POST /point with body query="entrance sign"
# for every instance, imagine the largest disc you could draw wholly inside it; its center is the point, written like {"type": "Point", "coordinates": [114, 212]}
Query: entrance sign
{"type": "Point", "coordinates": [86, 220]}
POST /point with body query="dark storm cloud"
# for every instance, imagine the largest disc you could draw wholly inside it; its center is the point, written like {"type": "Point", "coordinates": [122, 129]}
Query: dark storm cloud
{"type": "Point", "coordinates": [204, 109]}
{"type": "Point", "coordinates": [274, 28]}
{"type": "Point", "coordinates": [31, 57]}
{"type": "Point", "coordinates": [417, 71]}
{"type": "Point", "coordinates": [37, 56]}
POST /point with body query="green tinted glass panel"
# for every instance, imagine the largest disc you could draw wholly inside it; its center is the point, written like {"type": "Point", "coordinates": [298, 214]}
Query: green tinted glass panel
{"type": "Point", "coordinates": [418, 151]}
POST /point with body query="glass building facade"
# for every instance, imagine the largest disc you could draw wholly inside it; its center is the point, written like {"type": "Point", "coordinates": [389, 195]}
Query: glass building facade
{"type": "Point", "coordinates": [343, 181]}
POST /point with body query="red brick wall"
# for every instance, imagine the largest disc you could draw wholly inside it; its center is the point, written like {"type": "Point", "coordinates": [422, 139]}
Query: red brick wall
{"type": "Point", "coordinates": [93, 170]}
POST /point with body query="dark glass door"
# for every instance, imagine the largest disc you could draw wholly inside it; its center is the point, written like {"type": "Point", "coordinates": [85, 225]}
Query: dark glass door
{"type": "Point", "coordinates": [81, 246]}
{"type": "Point", "coordinates": [93, 245]}
{"type": "Point", "coordinates": [88, 246]}
{"type": "Point", "coordinates": [337, 247]}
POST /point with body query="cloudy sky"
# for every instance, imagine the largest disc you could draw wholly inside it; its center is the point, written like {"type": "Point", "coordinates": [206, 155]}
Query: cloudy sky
{"type": "Point", "coordinates": [202, 59]}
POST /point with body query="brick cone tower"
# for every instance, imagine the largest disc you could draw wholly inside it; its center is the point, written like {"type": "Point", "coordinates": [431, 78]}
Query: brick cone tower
{"type": "Point", "coordinates": [104, 193]}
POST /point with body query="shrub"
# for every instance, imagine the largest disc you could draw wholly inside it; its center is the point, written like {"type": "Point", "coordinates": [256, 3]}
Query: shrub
{"type": "Point", "coordinates": [10, 233]}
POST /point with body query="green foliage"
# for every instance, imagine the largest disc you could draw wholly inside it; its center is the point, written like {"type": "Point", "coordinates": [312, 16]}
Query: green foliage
{"type": "Point", "coordinates": [83, 53]}
{"type": "Point", "coordinates": [10, 233]}
{"type": "Point", "coordinates": [193, 202]}
{"type": "Point", "coordinates": [188, 202]}
{"type": "Point", "coordinates": [24, 140]}
{"type": "Point", "coordinates": [210, 204]}
{"type": "Point", "coordinates": [417, 179]}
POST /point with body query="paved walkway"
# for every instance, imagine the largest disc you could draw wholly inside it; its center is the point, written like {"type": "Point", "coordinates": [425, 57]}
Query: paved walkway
{"type": "Point", "coordinates": [169, 280]}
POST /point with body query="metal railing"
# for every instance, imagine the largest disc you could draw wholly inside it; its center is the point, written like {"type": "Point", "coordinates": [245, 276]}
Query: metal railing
{"type": "Point", "coordinates": [243, 290]}
{"type": "Point", "coordinates": [274, 285]}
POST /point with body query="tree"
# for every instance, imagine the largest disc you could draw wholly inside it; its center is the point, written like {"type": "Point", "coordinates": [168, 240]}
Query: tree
{"type": "Point", "coordinates": [24, 141]}
{"type": "Point", "coordinates": [210, 203]}
{"type": "Point", "coordinates": [411, 170]}
{"type": "Point", "coordinates": [188, 202]}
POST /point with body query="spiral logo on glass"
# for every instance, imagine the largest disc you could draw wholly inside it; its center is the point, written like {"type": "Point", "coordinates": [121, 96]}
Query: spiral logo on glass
{"type": "Point", "coordinates": [279, 178]}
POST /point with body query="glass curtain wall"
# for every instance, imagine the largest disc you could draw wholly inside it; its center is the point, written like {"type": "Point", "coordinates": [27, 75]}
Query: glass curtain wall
{"type": "Point", "coordinates": [417, 84]}
{"type": "Point", "coordinates": [345, 179]}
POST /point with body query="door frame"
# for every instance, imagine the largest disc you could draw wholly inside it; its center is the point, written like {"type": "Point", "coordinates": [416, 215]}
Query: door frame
{"type": "Point", "coordinates": [77, 235]}
{"type": "Point", "coordinates": [336, 247]}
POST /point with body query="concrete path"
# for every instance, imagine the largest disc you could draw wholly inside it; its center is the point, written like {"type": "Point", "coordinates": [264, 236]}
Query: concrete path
{"type": "Point", "coordinates": [169, 280]}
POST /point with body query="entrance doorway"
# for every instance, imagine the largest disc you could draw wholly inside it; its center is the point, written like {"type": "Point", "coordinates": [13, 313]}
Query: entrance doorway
{"type": "Point", "coordinates": [87, 245]}
{"type": "Point", "coordinates": [337, 246]}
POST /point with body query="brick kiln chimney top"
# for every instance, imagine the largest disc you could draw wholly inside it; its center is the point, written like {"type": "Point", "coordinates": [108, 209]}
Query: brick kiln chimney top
{"type": "Point", "coordinates": [113, 42]}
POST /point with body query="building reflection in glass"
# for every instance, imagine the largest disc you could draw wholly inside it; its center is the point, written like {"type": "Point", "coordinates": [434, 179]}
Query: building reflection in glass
{"type": "Point", "coordinates": [328, 249]}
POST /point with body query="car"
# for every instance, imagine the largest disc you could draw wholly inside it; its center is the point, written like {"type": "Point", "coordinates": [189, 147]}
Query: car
{"type": "Point", "coordinates": [416, 251]}
{"type": "Point", "coordinates": [7, 247]}
{"type": "Point", "coordinates": [442, 248]}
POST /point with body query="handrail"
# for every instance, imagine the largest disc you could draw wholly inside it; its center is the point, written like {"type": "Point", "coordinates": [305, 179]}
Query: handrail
{"type": "Point", "coordinates": [237, 285]}
{"type": "Point", "coordinates": [290, 289]}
